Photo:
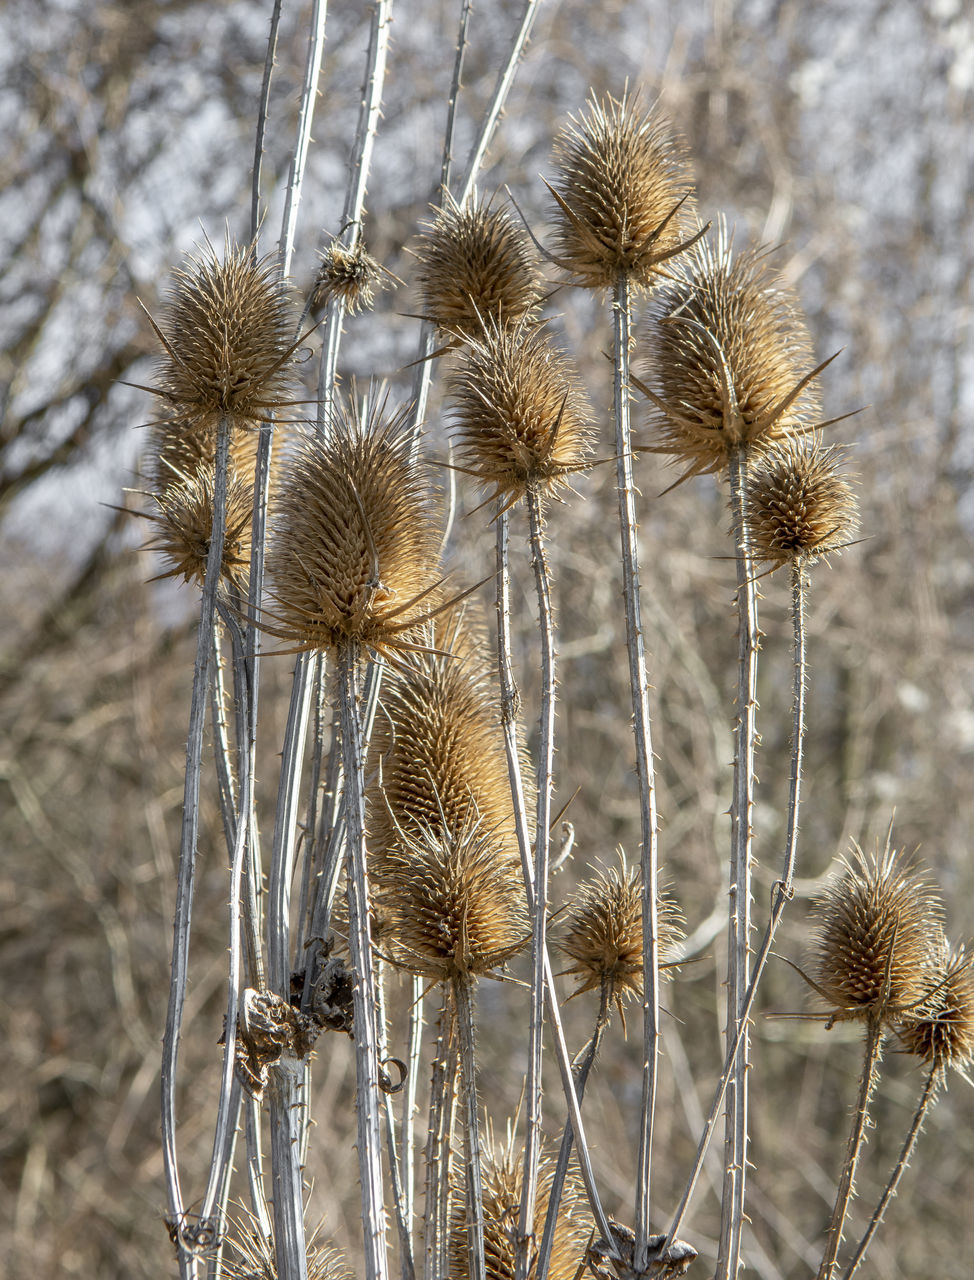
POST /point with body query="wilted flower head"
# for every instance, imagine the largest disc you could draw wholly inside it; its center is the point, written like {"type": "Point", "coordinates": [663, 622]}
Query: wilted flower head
{"type": "Point", "coordinates": [183, 525]}
{"type": "Point", "coordinates": [799, 506]}
{"type": "Point", "coordinates": [355, 547]}
{"type": "Point", "coordinates": [731, 356]}
{"type": "Point", "coordinates": [623, 193]}
{"type": "Point", "coordinates": [942, 1029]}
{"type": "Point", "coordinates": [603, 932]}
{"type": "Point", "coordinates": [253, 1256]}
{"type": "Point", "coordinates": [520, 416]}
{"type": "Point", "coordinates": [879, 933]}
{"type": "Point", "coordinates": [475, 265]}
{"type": "Point", "coordinates": [348, 273]}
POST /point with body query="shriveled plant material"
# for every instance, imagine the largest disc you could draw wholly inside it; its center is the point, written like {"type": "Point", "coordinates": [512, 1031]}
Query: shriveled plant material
{"type": "Point", "coordinates": [503, 1170]}
{"type": "Point", "coordinates": [348, 273]}
{"type": "Point", "coordinates": [624, 195]}
{"type": "Point", "coordinates": [520, 416]}
{"type": "Point", "coordinates": [942, 1029]}
{"type": "Point", "coordinates": [800, 507]}
{"type": "Point", "coordinates": [476, 265]}
{"type": "Point", "coordinates": [731, 357]}
{"type": "Point", "coordinates": [183, 525]}
{"type": "Point", "coordinates": [253, 1256]}
{"type": "Point", "coordinates": [228, 329]}
{"type": "Point", "coordinates": [354, 548]}
{"type": "Point", "coordinates": [879, 933]}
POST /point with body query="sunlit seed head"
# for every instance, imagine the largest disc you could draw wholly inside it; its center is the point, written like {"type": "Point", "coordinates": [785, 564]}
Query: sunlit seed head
{"type": "Point", "coordinates": [800, 507]}
{"type": "Point", "coordinates": [520, 417]}
{"type": "Point", "coordinates": [623, 194]}
{"type": "Point", "coordinates": [476, 264]}
{"type": "Point", "coordinates": [941, 1030]}
{"type": "Point", "coordinates": [349, 274]}
{"type": "Point", "coordinates": [182, 525]}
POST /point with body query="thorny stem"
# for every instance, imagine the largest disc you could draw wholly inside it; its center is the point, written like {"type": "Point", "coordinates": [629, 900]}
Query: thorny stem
{"type": "Point", "coordinates": [739, 924]}
{"type": "Point", "coordinates": [265, 90]}
{"type": "Point", "coordinates": [463, 1002]}
{"type": "Point", "coordinates": [642, 731]}
{"type": "Point", "coordinates": [867, 1081]}
{"type": "Point", "coordinates": [299, 160]}
{"type": "Point", "coordinates": [929, 1093]}
{"type": "Point", "coordinates": [186, 873]}
{"type": "Point", "coordinates": [546, 747]}
{"type": "Point", "coordinates": [221, 744]}
{"type": "Point", "coordinates": [409, 1106]}
{"type": "Point", "coordinates": [407, 1266]}
{"type": "Point", "coordinates": [369, 1141]}
{"type": "Point", "coordinates": [439, 1147]}
{"type": "Point", "coordinates": [783, 889]}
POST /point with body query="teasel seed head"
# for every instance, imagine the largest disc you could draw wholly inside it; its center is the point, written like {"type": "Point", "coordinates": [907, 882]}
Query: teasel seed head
{"type": "Point", "coordinates": [476, 264]}
{"type": "Point", "coordinates": [183, 524]}
{"type": "Point", "coordinates": [603, 931]}
{"type": "Point", "coordinates": [348, 273]}
{"type": "Point", "coordinates": [521, 418]}
{"type": "Point", "coordinates": [731, 356]}
{"type": "Point", "coordinates": [942, 1029]}
{"type": "Point", "coordinates": [502, 1175]}
{"type": "Point", "coordinates": [455, 900]}
{"type": "Point", "coordinates": [800, 507]}
{"type": "Point", "coordinates": [623, 193]}
{"type": "Point", "coordinates": [355, 547]}
{"type": "Point", "coordinates": [253, 1256]}
{"type": "Point", "coordinates": [879, 933]}
{"type": "Point", "coordinates": [228, 336]}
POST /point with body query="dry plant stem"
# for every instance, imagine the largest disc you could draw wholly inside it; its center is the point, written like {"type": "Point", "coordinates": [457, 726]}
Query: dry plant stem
{"type": "Point", "coordinates": [642, 730]}
{"type": "Point", "coordinates": [186, 874]}
{"type": "Point", "coordinates": [510, 703]}
{"type": "Point", "coordinates": [255, 1166]}
{"type": "Point", "coordinates": [407, 1266]}
{"type": "Point", "coordinates": [934, 1077]}
{"type": "Point", "coordinates": [739, 925]}
{"type": "Point", "coordinates": [221, 745]}
{"type": "Point", "coordinates": [285, 1088]}
{"type": "Point", "coordinates": [867, 1081]}
{"type": "Point", "coordinates": [309, 94]}
{"type": "Point", "coordinates": [407, 1155]}
{"type": "Point", "coordinates": [265, 89]}
{"type": "Point", "coordinates": [782, 890]}
{"type": "Point", "coordinates": [369, 1140]}
{"type": "Point", "coordinates": [439, 1147]}
{"type": "Point", "coordinates": [463, 1003]}
{"type": "Point", "coordinates": [546, 749]}
{"type": "Point", "coordinates": [318, 679]}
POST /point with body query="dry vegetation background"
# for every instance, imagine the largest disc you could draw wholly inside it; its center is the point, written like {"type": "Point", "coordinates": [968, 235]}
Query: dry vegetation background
{"type": "Point", "coordinates": [841, 130]}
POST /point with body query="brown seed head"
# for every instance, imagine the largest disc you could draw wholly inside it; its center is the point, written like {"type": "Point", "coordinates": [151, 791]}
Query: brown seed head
{"type": "Point", "coordinates": [351, 274]}
{"type": "Point", "coordinates": [879, 932]}
{"type": "Point", "coordinates": [476, 264]}
{"type": "Point", "coordinates": [228, 334]}
{"type": "Point", "coordinates": [521, 418]}
{"type": "Point", "coordinates": [455, 900]}
{"type": "Point", "coordinates": [253, 1257]}
{"type": "Point", "coordinates": [942, 1030]}
{"type": "Point", "coordinates": [502, 1176]}
{"type": "Point", "coordinates": [799, 507]}
{"type": "Point", "coordinates": [731, 354]}
{"type": "Point", "coordinates": [623, 193]}
{"type": "Point", "coordinates": [603, 933]}
{"type": "Point", "coordinates": [183, 524]}
{"type": "Point", "coordinates": [355, 547]}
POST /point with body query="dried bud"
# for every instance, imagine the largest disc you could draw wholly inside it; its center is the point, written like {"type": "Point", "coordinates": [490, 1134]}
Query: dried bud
{"type": "Point", "coordinates": [268, 1030]}
{"type": "Point", "coordinates": [799, 507]}
{"type": "Point", "coordinates": [731, 356]}
{"type": "Point", "coordinates": [183, 525]}
{"type": "Point", "coordinates": [476, 264]}
{"type": "Point", "coordinates": [351, 274]}
{"type": "Point", "coordinates": [879, 933]}
{"type": "Point", "coordinates": [603, 933]}
{"type": "Point", "coordinates": [355, 548]}
{"type": "Point", "coordinates": [521, 418]}
{"type": "Point", "coordinates": [942, 1030]}
{"type": "Point", "coordinates": [624, 195]}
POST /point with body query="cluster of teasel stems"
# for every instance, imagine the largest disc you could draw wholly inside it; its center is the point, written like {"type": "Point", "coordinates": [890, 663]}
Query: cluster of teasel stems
{"type": "Point", "coordinates": [425, 802]}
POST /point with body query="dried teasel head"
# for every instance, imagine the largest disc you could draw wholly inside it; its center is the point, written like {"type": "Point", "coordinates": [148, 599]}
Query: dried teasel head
{"type": "Point", "coordinates": [349, 273]}
{"type": "Point", "coordinates": [355, 548]}
{"type": "Point", "coordinates": [879, 933]}
{"type": "Point", "coordinates": [182, 521]}
{"type": "Point", "coordinates": [603, 931]}
{"type": "Point", "coordinates": [455, 900]}
{"type": "Point", "coordinates": [624, 195]}
{"type": "Point", "coordinates": [252, 1255]}
{"type": "Point", "coordinates": [502, 1175]}
{"type": "Point", "coordinates": [228, 336]}
{"type": "Point", "coordinates": [942, 1029]}
{"type": "Point", "coordinates": [521, 419]}
{"type": "Point", "coordinates": [476, 264]}
{"type": "Point", "coordinates": [732, 356]}
{"type": "Point", "coordinates": [800, 507]}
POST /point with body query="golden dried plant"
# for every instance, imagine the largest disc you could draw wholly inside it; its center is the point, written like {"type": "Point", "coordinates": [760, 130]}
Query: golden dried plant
{"type": "Point", "coordinates": [348, 273]}
{"type": "Point", "coordinates": [502, 1177]}
{"type": "Point", "coordinates": [800, 507]}
{"type": "Point", "coordinates": [603, 931]}
{"type": "Point", "coordinates": [521, 418]}
{"type": "Point", "coordinates": [476, 264]}
{"type": "Point", "coordinates": [252, 1255]}
{"type": "Point", "coordinates": [355, 548]}
{"type": "Point", "coordinates": [942, 1029]}
{"type": "Point", "coordinates": [731, 357]}
{"type": "Point", "coordinates": [623, 195]}
{"type": "Point", "coordinates": [879, 934]}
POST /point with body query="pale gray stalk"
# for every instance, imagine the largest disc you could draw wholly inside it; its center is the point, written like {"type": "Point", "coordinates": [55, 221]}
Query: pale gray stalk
{"type": "Point", "coordinates": [439, 1147]}
{"type": "Point", "coordinates": [255, 1166]}
{"type": "Point", "coordinates": [645, 770]}
{"type": "Point", "coordinates": [285, 1088]}
{"type": "Point", "coordinates": [265, 90]}
{"type": "Point", "coordinates": [186, 873]}
{"type": "Point", "coordinates": [221, 745]}
{"type": "Point", "coordinates": [407, 1265]}
{"type": "Point", "coordinates": [299, 159]}
{"type": "Point", "coordinates": [407, 1156]}
{"type": "Point", "coordinates": [463, 1004]}
{"type": "Point", "coordinates": [739, 923]}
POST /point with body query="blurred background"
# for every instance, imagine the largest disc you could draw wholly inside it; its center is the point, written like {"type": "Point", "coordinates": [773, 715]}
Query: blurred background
{"type": "Point", "coordinates": [840, 132]}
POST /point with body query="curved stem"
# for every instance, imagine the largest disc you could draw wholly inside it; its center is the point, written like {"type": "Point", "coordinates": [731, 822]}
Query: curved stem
{"type": "Point", "coordinates": [299, 160]}
{"type": "Point", "coordinates": [462, 998]}
{"type": "Point", "coordinates": [265, 90]}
